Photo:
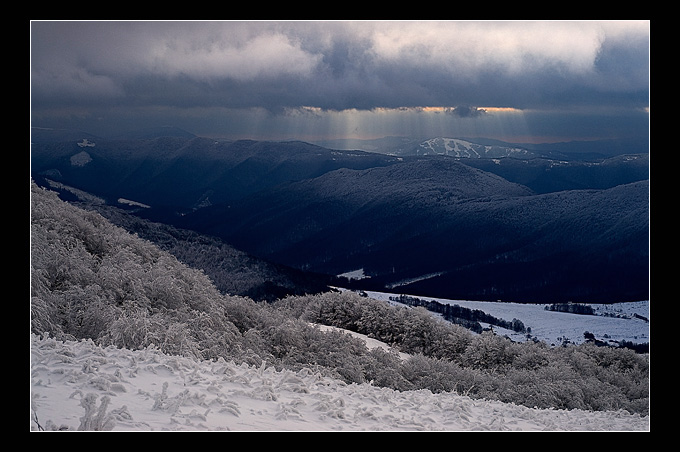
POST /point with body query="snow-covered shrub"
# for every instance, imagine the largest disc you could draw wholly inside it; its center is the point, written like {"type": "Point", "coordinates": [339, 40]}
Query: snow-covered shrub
{"type": "Point", "coordinates": [531, 356]}
{"type": "Point", "coordinates": [242, 313]}
{"type": "Point", "coordinates": [43, 316]}
{"type": "Point", "coordinates": [135, 330]}
{"type": "Point", "coordinates": [213, 334]}
{"type": "Point", "coordinates": [94, 312]}
{"type": "Point", "coordinates": [488, 351]}
{"type": "Point", "coordinates": [384, 369]}
{"type": "Point", "coordinates": [410, 330]}
{"type": "Point", "coordinates": [96, 419]}
{"type": "Point", "coordinates": [339, 310]}
{"type": "Point", "coordinates": [433, 374]}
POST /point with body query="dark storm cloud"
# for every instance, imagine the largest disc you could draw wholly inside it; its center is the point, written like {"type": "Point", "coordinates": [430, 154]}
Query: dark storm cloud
{"type": "Point", "coordinates": [81, 69]}
{"type": "Point", "coordinates": [464, 111]}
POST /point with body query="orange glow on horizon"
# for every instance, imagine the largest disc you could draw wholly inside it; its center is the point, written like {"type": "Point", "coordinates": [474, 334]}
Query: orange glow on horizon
{"type": "Point", "coordinates": [440, 109]}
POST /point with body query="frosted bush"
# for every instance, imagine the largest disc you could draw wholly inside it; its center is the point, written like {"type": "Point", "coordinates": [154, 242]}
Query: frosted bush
{"type": "Point", "coordinates": [96, 418]}
{"type": "Point", "coordinates": [488, 351]}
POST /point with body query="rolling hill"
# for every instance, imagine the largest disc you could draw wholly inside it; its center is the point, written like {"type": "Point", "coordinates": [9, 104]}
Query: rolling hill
{"type": "Point", "coordinates": [449, 226]}
{"type": "Point", "coordinates": [179, 174]}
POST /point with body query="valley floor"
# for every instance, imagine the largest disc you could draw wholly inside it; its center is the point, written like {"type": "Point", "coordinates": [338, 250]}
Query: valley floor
{"type": "Point", "coordinates": [611, 323]}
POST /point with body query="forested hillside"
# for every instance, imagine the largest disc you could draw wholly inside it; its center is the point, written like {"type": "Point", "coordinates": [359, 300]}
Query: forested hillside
{"type": "Point", "coordinates": [513, 229]}
{"type": "Point", "coordinates": [91, 279]}
{"type": "Point", "coordinates": [549, 176]}
{"type": "Point", "coordinates": [177, 174]}
{"type": "Point", "coordinates": [458, 231]}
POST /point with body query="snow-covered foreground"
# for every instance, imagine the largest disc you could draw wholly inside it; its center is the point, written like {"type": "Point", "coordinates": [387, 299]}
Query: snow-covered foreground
{"type": "Point", "coordinates": [146, 390]}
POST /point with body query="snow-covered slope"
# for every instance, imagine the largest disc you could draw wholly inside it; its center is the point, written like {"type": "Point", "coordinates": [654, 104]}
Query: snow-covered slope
{"type": "Point", "coordinates": [464, 149]}
{"type": "Point", "coordinates": [92, 279]}
{"type": "Point", "coordinates": [80, 386]}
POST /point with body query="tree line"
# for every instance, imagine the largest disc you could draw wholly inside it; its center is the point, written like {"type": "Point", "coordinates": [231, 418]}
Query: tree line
{"type": "Point", "coordinates": [469, 318]}
{"type": "Point", "coordinates": [572, 308]}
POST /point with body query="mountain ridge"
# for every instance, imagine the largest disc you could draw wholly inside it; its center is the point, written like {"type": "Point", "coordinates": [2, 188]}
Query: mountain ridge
{"type": "Point", "coordinates": [183, 172]}
{"type": "Point", "coordinates": [398, 217]}
{"type": "Point", "coordinates": [571, 150]}
{"type": "Point", "coordinates": [332, 227]}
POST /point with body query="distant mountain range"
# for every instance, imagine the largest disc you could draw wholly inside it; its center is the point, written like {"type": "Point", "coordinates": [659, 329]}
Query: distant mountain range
{"type": "Point", "coordinates": [490, 148]}
{"type": "Point", "coordinates": [447, 217]}
{"type": "Point", "coordinates": [181, 174]}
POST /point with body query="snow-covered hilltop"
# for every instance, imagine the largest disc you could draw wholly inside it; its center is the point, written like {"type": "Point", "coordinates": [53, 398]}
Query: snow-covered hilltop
{"type": "Point", "coordinates": [464, 149]}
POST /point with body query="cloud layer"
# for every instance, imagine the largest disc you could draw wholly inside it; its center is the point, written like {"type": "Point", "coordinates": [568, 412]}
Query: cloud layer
{"type": "Point", "coordinates": [88, 69]}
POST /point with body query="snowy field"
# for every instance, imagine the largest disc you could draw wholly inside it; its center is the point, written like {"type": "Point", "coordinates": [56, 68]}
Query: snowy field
{"type": "Point", "coordinates": [613, 322]}
{"type": "Point", "coordinates": [78, 385]}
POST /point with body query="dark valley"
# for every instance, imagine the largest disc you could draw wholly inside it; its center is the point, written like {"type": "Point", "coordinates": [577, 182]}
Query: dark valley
{"type": "Point", "coordinates": [524, 226]}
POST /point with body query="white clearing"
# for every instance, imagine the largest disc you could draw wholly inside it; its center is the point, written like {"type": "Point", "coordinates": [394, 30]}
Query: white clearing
{"type": "Point", "coordinates": [611, 322]}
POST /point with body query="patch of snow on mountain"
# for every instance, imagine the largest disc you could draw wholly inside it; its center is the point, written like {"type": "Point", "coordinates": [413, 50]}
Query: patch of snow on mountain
{"type": "Point", "coordinates": [465, 149]}
{"type": "Point", "coordinates": [355, 274]}
{"type": "Point", "coordinates": [132, 203]}
{"type": "Point", "coordinates": [81, 159]}
{"type": "Point", "coordinates": [86, 143]}
{"type": "Point", "coordinates": [80, 194]}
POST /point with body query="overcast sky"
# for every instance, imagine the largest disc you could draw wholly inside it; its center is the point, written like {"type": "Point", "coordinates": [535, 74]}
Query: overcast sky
{"type": "Point", "coordinates": [515, 81]}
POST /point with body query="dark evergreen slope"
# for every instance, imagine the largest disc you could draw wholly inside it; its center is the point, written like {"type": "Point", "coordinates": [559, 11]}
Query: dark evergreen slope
{"type": "Point", "coordinates": [465, 233]}
{"type": "Point", "coordinates": [548, 175]}
{"type": "Point", "coordinates": [568, 246]}
{"type": "Point", "coordinates": [349, 210]}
